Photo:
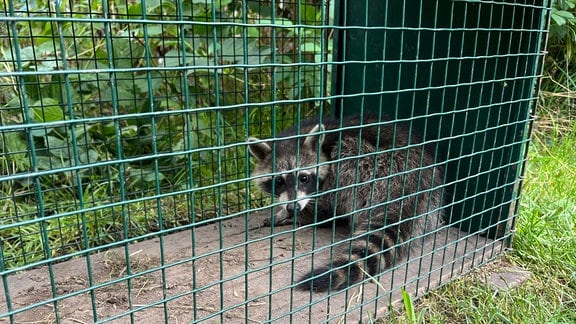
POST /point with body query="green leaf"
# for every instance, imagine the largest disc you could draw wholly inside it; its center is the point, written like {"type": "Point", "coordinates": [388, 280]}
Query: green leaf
{"type": "Point", "coordinates": [200, 61]}
{"type": "Point", "coordinates": [561, 17]}
{"type": "Point", "coordinates": [49, 64]}
{"type": "Point", "coordinates": [129, 131]}
{"type": "Point", "coordinates": [13, 142]}
{"type": "Point", "coordinates": [26, 56]}
{"type": "Point", "coordinates": [310, 48]}
{"type": "Point", "coordinates": [58, 147]}
{"type": "Point", "coordinates": [232, 52]}
{"type": "Point", "coordinates": [16, 148]}
{"type": "Point", "coordinates": [49, 113]}
{"type": "Point", "coordinates": [89, 156]}
{"type": "Point", "coordinates": [43, 163]}
{"type": "Point", "coordinates": [565, 14]}
{"type": "Point", "coordinates": [109, 129]}
{"type": "Point", "coordinates": [172, 58]}
{"type": "Point", "coordinates": [151, 4]}
{"type": "Point", "coordinates": [154, 30]}
{"type": "Point", "coordinates": [141, 83]}
{"type": "Point", "coordinates": [135, 10]}
{"type": "Point", "coordinates": [253, 32]}
{"type": "Point", "coordinates": [408, 306]}
{"type": "Point", "coordinates": [41, 132]}
{"type": "Point", "coordinates": [146, 176]}
{"type": "Point", "coordinates": [309, 13]}
{"type": "Point", "coordinates": [231, 49]}
{"type": "Point", "coordinates": [277, 21]}
{"type": "Point", "coordinates": [558, 19]}
{"type": "Point", "coordinates": [217, 4]}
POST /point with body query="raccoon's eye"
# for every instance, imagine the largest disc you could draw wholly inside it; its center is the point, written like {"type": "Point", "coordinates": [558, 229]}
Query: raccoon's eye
{"type": "Point", "coordinates": [278, 181]}
{"type": "Point", "coordinates": [303, 178]}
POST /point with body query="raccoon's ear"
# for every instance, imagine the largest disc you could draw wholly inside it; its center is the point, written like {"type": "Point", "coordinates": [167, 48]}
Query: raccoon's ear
{"type": "Point", "coordinates": [259, 150]}
{"type": "Point", "coordinates": [315, 137]}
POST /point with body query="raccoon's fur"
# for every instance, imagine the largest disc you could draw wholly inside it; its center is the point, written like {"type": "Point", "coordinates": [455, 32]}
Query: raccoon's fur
{"type": "Point", "coordinates": [390, 190]}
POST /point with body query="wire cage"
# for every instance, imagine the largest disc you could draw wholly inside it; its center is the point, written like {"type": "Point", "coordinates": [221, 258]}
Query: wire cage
{"type": "Point", "coordinates": [127, 187]}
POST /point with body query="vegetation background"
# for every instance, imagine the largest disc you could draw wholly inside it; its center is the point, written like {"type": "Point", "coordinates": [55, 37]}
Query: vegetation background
{"type": "Point", "coordinates": [134, 148]}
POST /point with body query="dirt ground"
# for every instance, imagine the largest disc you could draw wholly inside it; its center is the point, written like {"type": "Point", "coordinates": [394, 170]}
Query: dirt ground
{"type": "Point", "coordinates": [211, 274]}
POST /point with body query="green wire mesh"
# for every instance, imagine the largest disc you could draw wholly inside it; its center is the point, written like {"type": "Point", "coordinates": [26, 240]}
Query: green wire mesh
{"type": "Point", "coordinates": [125, 187]}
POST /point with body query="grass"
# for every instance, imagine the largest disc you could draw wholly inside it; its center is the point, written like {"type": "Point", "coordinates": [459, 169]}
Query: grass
{"type": "Point", "coordinates": [545, 242]}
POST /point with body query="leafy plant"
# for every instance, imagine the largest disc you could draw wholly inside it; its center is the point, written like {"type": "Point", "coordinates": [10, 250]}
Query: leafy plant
{"type": "Point", "coordinates": [560, 59]}
{"type": "Point", "coordinates": [108, 122]}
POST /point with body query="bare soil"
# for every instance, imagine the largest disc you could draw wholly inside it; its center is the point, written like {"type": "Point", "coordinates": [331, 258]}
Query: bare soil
{"type": "Point", "coordinates": [234, 271]}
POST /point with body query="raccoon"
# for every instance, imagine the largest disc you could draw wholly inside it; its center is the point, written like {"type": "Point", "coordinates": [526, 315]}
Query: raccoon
{"type": "Point", "coordinates": [379, 179]}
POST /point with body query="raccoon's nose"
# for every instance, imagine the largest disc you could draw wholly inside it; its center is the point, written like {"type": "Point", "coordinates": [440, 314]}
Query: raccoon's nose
{"type": "Point", "coordinates": [290, 208]}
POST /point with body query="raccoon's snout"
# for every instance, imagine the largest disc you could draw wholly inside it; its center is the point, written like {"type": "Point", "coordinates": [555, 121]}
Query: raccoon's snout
{"type": "Point", "coordinates": [297, 206]}
{"type": "Point", "coordinates": [290, 208]}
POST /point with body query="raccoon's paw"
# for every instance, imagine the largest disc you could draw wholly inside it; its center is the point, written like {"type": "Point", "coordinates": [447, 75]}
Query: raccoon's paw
{"type": "Point", "coordinates": [328, 279]}
{"type": "Point", "coordinates": [281, 218]}
{"type": "Point", "coordinates": [268, 222]}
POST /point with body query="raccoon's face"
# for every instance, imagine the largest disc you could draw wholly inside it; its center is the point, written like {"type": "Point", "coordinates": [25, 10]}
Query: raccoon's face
{"type": "Point", "coordinates": [296, 177]}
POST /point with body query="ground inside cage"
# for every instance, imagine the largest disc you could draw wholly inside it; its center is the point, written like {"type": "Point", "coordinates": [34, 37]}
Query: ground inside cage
{"type": "Point", "coordinates": [222, 278]}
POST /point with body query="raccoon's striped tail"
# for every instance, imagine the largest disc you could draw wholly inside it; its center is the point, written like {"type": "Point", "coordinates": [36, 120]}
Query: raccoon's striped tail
{"type": "Point", "coordinates": [350, 265]}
